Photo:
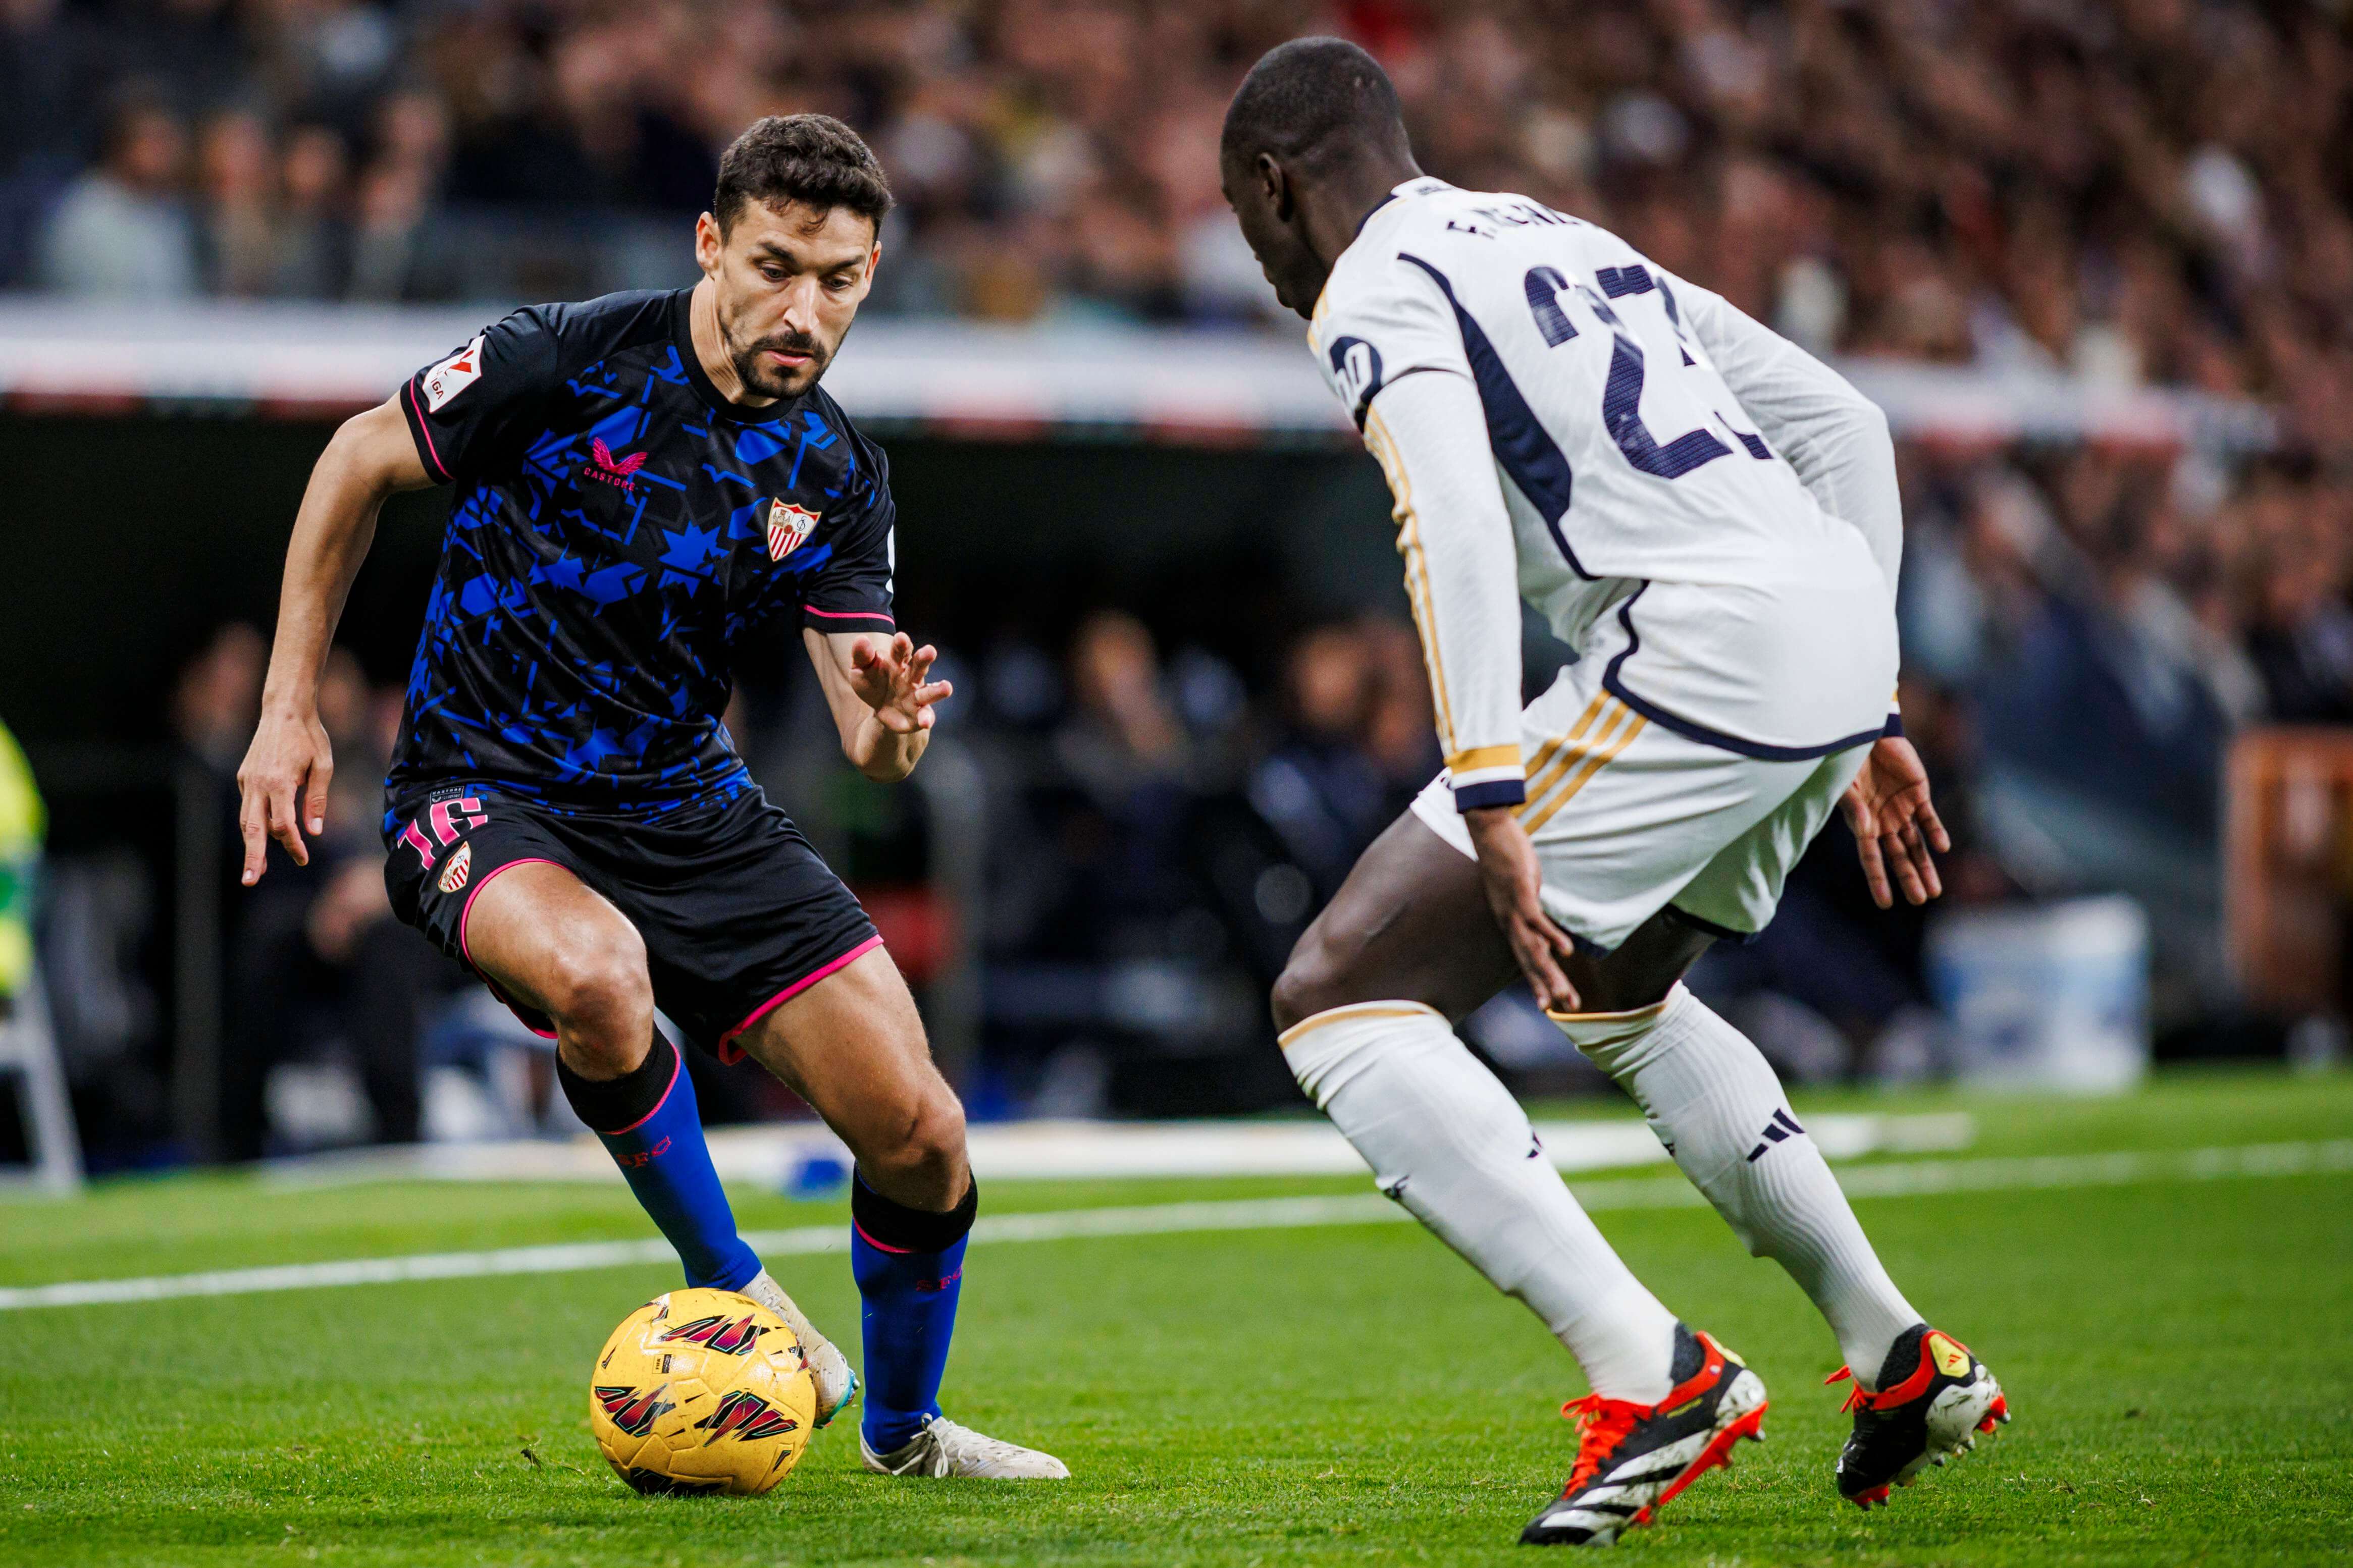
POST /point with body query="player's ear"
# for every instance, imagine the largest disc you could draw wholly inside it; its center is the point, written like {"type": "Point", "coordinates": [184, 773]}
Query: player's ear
{"type": "Point", "coordinates": [708, 243]}
{"type": "Point", "coordinates": [1274, 183]}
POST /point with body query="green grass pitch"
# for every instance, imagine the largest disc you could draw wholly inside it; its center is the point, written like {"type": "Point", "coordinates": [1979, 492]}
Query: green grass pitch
{"type": "Point", "coordinates": [2179, 1354]}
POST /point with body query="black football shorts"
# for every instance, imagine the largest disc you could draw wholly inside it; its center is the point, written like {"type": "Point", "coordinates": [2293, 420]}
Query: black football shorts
{"type": "Point", "coordinates": [738, 914]}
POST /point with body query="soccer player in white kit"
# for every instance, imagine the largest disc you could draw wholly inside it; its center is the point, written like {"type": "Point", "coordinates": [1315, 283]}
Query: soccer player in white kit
{"type": "Point", "coordinates": [1710, 517]}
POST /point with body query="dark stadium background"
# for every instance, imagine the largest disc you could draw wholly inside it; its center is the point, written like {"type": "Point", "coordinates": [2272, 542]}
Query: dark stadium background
{"type": "Point", "coordinates": [107, 598]}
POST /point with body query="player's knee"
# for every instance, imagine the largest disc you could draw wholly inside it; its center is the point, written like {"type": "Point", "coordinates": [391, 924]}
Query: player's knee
{"type": "Point", "coordinates": [599, 990]}
{"type": "Point", "coordinates": [921, 1161]}
{"type": "Point", "coordinates": [1289, 1001]}
{"type": "Point", "coordinates": [1313, 981]}
{"type": "Point", "coordinates": [934, 1141]}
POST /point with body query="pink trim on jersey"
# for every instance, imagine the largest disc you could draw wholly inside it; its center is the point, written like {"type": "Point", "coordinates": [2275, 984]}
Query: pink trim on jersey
{"type": "Point", "coordinates": [426, 430]}
{"type": "Point", "coordinates": [850, 615]}
{"type": "Point", "coordinates": [493, 875]}
{"type": "Point", "coordinates": [798, 987]}
{"type": "Point", "coordinates": [677, 1063]}
{"type": "Point", "coordinates": [879, 1246]}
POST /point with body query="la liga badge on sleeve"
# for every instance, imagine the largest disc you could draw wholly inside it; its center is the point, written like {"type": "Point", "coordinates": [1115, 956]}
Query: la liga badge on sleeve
{"type": "Point", "coordinates": [788, 525]}
{"type": "Point", "coordinates": [453, 376]}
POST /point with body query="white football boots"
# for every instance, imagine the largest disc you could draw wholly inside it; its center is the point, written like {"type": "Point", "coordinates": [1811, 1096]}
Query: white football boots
{"type": "Point", "coordinates": [945, 1448]}
{"type": "Point", "coordinates": [836, 1379]}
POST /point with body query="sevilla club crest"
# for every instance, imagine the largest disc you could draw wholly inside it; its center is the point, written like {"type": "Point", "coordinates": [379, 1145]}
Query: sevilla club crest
{"type": "Point", "coordinates": [788, 525]}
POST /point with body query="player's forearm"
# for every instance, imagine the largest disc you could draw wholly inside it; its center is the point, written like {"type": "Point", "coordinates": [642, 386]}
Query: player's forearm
{"type": "Point", "coordinates": [1462, 575]}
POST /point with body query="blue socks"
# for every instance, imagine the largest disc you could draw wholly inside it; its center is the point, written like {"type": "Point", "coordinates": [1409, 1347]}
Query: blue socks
{"type": "Point", "coordinates": [909, 1265]}
{"type": "Point", "coordinates": [657, 1140]}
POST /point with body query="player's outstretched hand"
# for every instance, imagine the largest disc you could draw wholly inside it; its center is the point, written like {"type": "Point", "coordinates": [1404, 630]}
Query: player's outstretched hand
{"type": "Point", "coordinates": [890, 677]}
{"type": "Point", "coordinates": [287, 770]}
{"type": "Point", "coordinates": [1894, 823]}
{"type": "Point", "coordinates": [1507, 864]}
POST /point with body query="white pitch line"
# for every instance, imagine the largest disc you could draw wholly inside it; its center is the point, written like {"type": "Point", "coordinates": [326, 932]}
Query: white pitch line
{"type": "Point", "coordinates": [1907, 1179]}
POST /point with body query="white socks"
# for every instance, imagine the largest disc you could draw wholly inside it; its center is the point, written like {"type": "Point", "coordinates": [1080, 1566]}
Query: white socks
{"type": "Point", "coordinates": [1447, 1141]}
{"type": "Point", "coordinates": [1715, 1103]}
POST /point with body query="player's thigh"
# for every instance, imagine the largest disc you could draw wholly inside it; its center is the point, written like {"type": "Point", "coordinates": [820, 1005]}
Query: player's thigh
{"type": "Point", "coordinates": [548, 940]}
{"type": "Point", "coordinates": [853, 1045]}
{"type": "Point", "coordinates": [1735, 893]}
{"type": "Point", "coordinates": [1640, 970]}
{"type": "Point", "coordinates": [1410, 924]}
{"type": "Point", "coordinates": [501, 891]}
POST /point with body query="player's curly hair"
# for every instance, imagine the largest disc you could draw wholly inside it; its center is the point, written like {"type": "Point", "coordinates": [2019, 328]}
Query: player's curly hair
{"type": "Point", "coordinates": [812, 159]}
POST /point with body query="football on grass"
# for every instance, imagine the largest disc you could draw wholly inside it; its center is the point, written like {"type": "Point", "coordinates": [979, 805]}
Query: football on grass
{"type": "Point", "coordinates": [701, 1390]}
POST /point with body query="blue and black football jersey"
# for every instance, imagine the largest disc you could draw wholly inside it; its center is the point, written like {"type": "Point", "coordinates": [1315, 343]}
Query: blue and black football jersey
{"type": "Point", "coordinates": [617, 526]}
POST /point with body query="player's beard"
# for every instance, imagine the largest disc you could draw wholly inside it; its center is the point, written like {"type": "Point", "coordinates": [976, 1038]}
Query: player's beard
{"type": "Point", "coordinates": [756, 374]}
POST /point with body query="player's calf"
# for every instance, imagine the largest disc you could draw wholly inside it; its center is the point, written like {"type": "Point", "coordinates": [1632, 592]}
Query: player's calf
{"type": "Point", "coordinates": [554, 946]}
{"type": "Point", "coordinates": [909, 1265]}
{"type": "Point", "coordinates": [649, 1121]}
{"type": "Point", "coordinates": [853, 1047]}
{"type": "Point", "coordinates": [1715, 1103]}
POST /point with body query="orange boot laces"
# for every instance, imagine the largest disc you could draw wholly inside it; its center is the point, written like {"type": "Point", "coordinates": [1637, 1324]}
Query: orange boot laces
{"type": "Point", "coordinates": [1601, 1426]}
{"type": "Point", "coordinates": [1856, 1397]}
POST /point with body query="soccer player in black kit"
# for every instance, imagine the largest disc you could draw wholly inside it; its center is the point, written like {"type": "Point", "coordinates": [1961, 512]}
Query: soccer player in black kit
{"type": "Point", "coordinates": [639, 480]}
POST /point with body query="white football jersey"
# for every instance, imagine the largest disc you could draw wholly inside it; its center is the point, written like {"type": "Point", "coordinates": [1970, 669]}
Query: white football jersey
{"type": "Point", "coordinates": [1640, 434]}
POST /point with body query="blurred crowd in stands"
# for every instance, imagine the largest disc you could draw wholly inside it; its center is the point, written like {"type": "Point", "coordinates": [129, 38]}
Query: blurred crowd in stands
{"type": "Point", "coordinates": [2130, 189]}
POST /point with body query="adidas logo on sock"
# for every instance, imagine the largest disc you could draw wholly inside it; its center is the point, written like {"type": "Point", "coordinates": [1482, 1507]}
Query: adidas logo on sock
{"type": "Point", "coordinates": [1783, 1125]}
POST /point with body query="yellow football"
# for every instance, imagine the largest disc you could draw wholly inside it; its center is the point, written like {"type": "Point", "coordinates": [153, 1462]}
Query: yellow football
{"type": "Point", "coordinates": [701, 1390]}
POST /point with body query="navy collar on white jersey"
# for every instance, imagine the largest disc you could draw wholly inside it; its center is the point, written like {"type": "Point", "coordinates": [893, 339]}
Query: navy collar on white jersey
{"type": "Point", "coordinates": [1420, 185]}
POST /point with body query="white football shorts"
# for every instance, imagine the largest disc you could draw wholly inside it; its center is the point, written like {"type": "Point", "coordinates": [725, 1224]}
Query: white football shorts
{"type": "Point", "coordinates": [1631, 812]}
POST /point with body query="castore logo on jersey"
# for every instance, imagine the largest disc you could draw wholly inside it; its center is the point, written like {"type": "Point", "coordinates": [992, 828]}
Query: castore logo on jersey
{"type": "Point", "coordinates": [605, 469]}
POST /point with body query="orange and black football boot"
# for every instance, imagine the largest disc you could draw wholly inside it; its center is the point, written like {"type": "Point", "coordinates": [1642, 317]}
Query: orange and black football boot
{"type": "Point", "coordinates": [1634, 1459]}
{"type": "Point", "coordinates": [1934, 1398]}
